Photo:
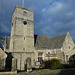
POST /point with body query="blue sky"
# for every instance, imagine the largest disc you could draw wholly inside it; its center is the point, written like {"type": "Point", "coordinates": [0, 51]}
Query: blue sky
{"type": "Point", "coordinates": [51, 17]}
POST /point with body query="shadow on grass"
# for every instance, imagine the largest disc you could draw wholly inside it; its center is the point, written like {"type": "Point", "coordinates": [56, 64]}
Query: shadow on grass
{"type": "Point", "coordinates": [21, 71]}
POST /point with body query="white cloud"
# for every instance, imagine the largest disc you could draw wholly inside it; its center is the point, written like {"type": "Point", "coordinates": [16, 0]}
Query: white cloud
{"type": "Point", "coordinates": [49, 19]}
{"type": "Point", "coordinates": [55, 7]}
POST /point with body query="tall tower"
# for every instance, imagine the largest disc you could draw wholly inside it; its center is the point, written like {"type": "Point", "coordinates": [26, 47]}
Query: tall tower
{"type": "Point", "coordinates": [22, 36]}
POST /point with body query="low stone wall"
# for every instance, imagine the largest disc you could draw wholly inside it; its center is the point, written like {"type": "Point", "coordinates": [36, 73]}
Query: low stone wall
{"type": "Point", "coordinates": [2, 73]}
{"type": "Point", "coordinates": [47, 72]}
{"type": "Point", "coordinates": [1, 64]}
{"type": "Point", "coordinates": [40, 72]}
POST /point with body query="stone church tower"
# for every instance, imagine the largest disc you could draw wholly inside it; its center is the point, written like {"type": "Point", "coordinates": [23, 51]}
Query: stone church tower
{"type": "Point", "coordinates": [22, 36]}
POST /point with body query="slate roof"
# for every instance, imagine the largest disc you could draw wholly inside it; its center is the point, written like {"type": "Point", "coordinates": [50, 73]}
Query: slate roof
{"type": "Point", "coordinates": [43, 42]}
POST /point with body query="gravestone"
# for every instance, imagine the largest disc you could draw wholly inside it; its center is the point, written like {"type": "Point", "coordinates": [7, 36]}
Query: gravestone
{"type": "Point", "coordinates": [14, 64]}
{"type": "Point", "coordinates": [28, 62]}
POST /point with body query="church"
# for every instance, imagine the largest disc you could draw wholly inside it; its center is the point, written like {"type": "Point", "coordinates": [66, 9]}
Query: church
{"type": "Point", "coordinates": [26, 48]}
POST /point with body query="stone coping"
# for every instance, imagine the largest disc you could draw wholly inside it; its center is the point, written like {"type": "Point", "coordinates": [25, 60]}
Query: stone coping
{"type": "Point", "coordinates": [14, 72]}
{"type": "Point", "coordinates": [53, 71]}
{"type": "Point", "coordinates": [45, 72]}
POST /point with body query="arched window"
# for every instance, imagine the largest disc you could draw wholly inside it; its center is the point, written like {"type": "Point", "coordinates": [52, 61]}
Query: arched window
{"type": "Point", "coordinates": [24, 38]}
{"type": "Point", "coordinates": [48, 52]}
{"type": "Point", "coordinates": [69, 47]}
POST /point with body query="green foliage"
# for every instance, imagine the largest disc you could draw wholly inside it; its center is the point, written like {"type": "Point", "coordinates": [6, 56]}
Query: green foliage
{"type": "Point", "coordinates": [66, 66]}
{"type": "Point", "coordinates": [36, 68]}
{"type": "Point", "coordinates": [1, 42]}
{"type": "Point", "coordinates": [53, 64]}
{"type": "Point", "coordinates": [47, 64]}
{"type": "Point", "coordinates": [21, 71]}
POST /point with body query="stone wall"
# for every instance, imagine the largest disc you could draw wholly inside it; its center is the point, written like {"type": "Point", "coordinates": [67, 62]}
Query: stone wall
{"type": "Point", "coordinates": [3, 57]}
{"type": "Point", "coordinates": [2, 64]}
{"type": "Point", "coordinates": [68, 47]}
{"type": "Point", "coordinates": [49, 54]}
{"type": "Point", "coordinates": [22, 36]}
{"type": "Point", "coordinates": [21, 59]}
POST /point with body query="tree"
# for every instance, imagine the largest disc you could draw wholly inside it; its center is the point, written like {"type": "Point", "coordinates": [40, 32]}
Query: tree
{"type": "Point", "coordinates": [1, 42]}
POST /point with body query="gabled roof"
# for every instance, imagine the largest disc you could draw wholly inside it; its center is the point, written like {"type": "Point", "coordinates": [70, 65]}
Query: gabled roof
{"type": "Point", "coordinates": [2, 54]}
{"type": "Point", "coordinates": [43, 42]}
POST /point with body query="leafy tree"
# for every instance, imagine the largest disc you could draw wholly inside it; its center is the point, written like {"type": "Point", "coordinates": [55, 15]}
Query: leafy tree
{"type": "Point", "coordinates": [1, 42]}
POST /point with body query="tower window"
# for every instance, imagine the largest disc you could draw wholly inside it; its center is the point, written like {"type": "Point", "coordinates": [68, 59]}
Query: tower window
{"type": "Point", "coordinates": [48, 52]}
{"type": "Point", "coordinates": [69, 47]}
{"type": "Point", "coordinates": [24, 13]}
{"type": "Point", "coordinates": [24, 22]}
{"type": "Point", "coordinates": [24, 38]}
{"type": "Point", "coordinates": [23, 49]}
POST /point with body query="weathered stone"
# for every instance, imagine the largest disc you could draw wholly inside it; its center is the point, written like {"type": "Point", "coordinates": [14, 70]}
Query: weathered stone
{"type": "Point", "coordinates": [23, 43]}
{"type": "Point", "coordinates": [3, 57]}
{"type": "Point", "coordinates": [22, 37]}
{"type": "Point", "coordinates": [14, 64]}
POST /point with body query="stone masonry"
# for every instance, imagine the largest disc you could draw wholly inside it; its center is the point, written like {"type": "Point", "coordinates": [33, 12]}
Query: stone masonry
{"type": "Point", "coordinates": [22, 36]}
{"type": "Point", "coordinates": [30, 50]}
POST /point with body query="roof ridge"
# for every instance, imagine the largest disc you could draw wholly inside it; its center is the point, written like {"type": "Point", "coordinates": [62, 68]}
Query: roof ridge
{"type": "Point", "coordinates": [60, 35]}
{"type": "Point", "coordinates": [51, 37]}
{"type": "Point", "coordinates": [42, 36]}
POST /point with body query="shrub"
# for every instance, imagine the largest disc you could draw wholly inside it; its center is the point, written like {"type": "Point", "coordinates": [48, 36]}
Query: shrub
{"type": "Point", "coordinates": [47, 64]}
{"type": "Point", "coordinates": [53, 64]}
